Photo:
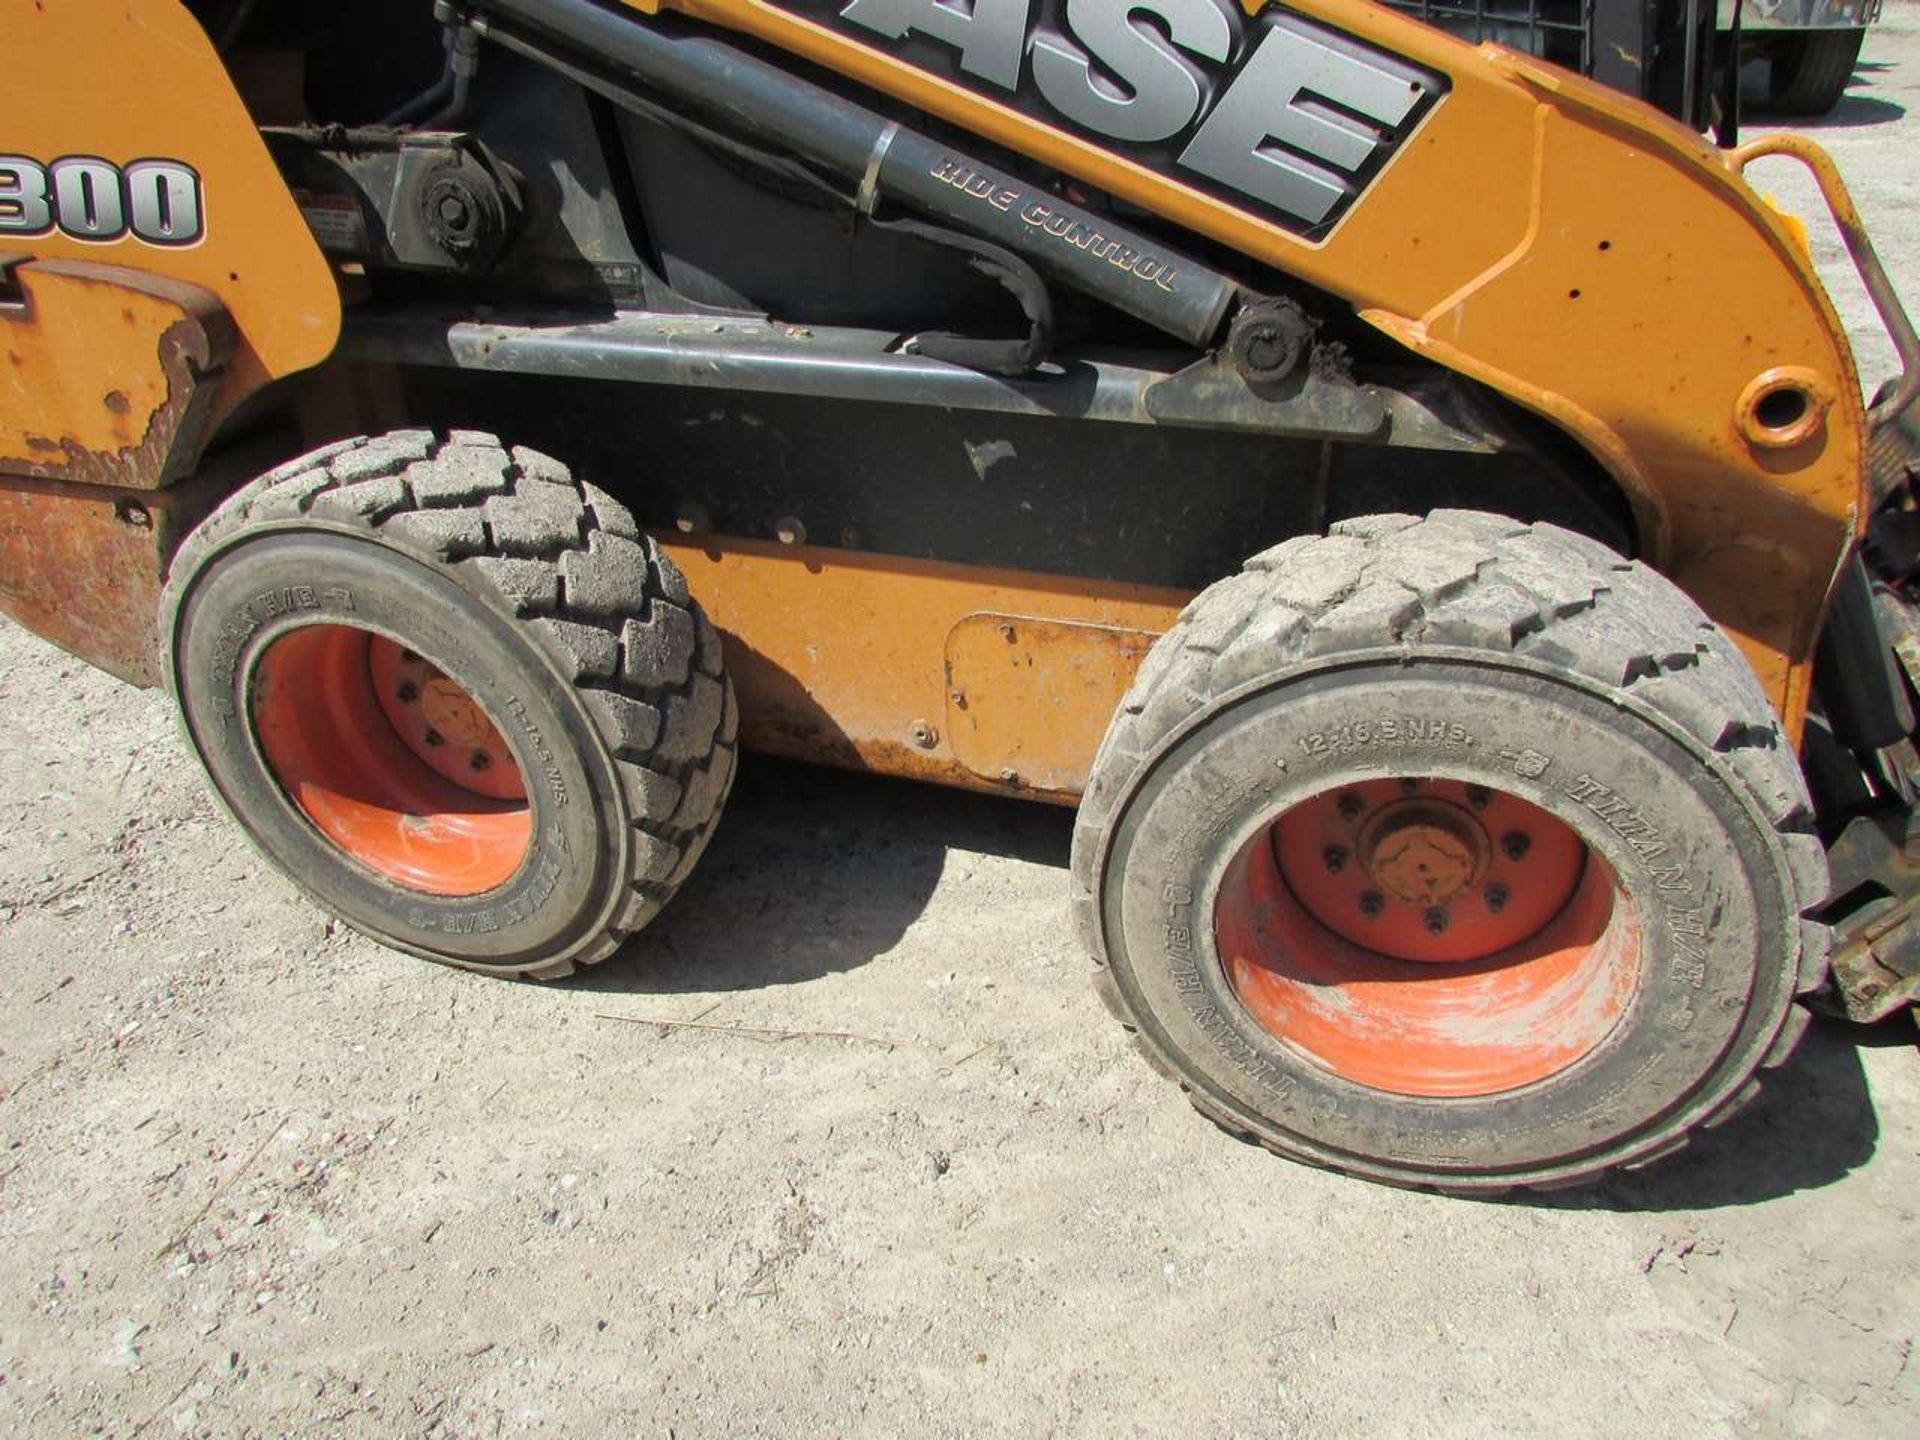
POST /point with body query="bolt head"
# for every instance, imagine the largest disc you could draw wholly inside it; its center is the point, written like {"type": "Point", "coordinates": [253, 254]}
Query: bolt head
{"type": "Point", "coordinates": [1267, 347]}
{"type": "Point", "coordinates": [1479, 797]}
{"type": "Point", "coordinates": [1516, 844]}
{"type": "Point", "coordinates": [1351, 805]}
{"type": "Point", "coordinates": [1371, 903]}
{"type": "Point", "coordinates": [1334, 857]}
{"type": "Point", "coordinates": [1495, 897]}
{"type": "Point", "coordinates": [434, 737]}
{"type": "Point", "coordinates": [408, 692]}
{"type": "Point", "coordinates": [479, 760]}
{"type": "Point", "coordinates": [1436, 920]}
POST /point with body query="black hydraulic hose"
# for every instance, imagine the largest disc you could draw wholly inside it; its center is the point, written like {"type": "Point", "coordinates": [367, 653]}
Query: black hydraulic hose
{"type": "Point", "coordinates": [445, 102]}
{"type": "Point", "coordinates": [737, 91]}
{"type": "Point", "coordinates": [236, 24]}
{"type": "Point", "coordinates": [1855, 672]}
{"type": "Point", "coordinates": [996, 357]}
{"type": "Point", "coordinates": [807, 186]}
{"type": "Point", "coordinates": [463, 63]}
{"type": "Point", "coordinates": [425, 103]}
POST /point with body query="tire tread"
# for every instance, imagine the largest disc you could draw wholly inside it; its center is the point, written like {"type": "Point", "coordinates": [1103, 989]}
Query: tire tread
{"type": "Point", "coordinates": [1462, 578]}
{"type": "Point", "coordinates": [607, 607]}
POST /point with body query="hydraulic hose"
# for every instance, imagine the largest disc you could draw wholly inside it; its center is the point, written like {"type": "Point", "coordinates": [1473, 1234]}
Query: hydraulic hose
{"type": "Point", "coordinates": [732, 89]}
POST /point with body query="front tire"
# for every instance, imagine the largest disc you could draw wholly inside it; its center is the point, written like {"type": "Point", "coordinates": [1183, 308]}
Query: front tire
{"type": "Point", "coordinates": [1452, 852]}
{"type": "Point", "coordinates": [455, 695]}
{"type": "Point", "coordinates": [1809, 73]}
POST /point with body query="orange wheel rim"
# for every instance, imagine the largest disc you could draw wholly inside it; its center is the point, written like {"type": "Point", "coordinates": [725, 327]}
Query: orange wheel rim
{"type": "Point", "coordinates": [1428, 937]}
{"type": "Point", "coordinates": [391, 760]}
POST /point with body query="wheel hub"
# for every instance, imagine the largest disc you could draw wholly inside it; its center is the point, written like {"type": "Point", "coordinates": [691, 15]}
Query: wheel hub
{"type": "Point", "coordinates": [1522, 961]}
{"type": "Point", "coordinates": [441, 723]}
{"type": "Point", "coordinates": [1437, 871]}
{"type": "Point", "coordinates": [391, 760]}
{"type": "Point", "coordinates": [1423, 851]}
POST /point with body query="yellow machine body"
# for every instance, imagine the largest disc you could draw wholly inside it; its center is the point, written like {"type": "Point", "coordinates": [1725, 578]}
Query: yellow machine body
{"type": "Point", "coordinates": [1569, 247]}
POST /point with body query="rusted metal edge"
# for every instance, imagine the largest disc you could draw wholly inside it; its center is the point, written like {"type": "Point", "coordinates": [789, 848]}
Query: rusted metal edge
{"type": "Point", "coordinates": [1876, 930]}
{"type": "Point", "coordinates": [191, 352]}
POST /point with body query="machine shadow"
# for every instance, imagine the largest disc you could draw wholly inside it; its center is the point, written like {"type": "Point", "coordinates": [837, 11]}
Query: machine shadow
{"type": "Point", "coordinates": [1811, 1124]}
{"type": "Point", "coordinates": [1854, 112]}
{"type": "Point", "coordinates": [815, 871]}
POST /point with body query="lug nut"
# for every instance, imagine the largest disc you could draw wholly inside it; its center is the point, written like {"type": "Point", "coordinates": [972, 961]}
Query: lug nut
{"type": "Point", "coordinates": [434, 737]}
{"type": "Point", "coordinates": [1351, 805]}
{"type": "Point", "coordinates": [1436, 919]}
{"type": "Point", "coordinates": [1516, 843]}
{"type": "Point", "coordinates": [1496, 898]}
{"type": "Point", "coordinates": [1408, 786]}
{"type": "Point", "coordinates": [1479, 797]}
{"type": "Point", "coordinates": [479, 760]}
{"type": "Point", "coordinates": [408, 692]}
{"type": "Point", "coordinates": [1334, 857]}
{"type": "Point", "coordinates": [1370, 903]}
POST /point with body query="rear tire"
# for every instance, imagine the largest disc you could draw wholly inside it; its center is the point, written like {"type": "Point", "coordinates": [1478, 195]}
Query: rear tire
{"type": "Point", "coordinates": [455, 695]}
{"type": "Point", "coordinates": [1809, 73]}
{"type": "Point", "coordinates": [1310, 839]}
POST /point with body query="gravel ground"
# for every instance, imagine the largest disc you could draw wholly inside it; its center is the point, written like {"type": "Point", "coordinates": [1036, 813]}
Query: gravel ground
{"type": "Point", "coordinates": [259, 1176]}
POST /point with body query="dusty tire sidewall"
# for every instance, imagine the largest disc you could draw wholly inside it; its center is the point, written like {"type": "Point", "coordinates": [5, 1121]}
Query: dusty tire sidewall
{"type": "Point", "coordinates": [275, 578]}
{"type": "Point", "coordinates": [1706, 1005]}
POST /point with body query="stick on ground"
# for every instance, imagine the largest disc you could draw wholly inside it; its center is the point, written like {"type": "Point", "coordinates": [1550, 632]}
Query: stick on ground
{"type": "Point", "coordinates": [219, 1190]}
{"type": "Point", "coordinates": [751, 1032]}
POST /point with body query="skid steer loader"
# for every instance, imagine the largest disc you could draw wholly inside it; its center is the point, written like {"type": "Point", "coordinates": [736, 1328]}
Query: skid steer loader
{"type": "Point", "coordinates": [1415, 499]}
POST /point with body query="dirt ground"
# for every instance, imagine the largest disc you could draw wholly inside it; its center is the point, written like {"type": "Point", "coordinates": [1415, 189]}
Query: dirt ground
{"type": "Point", "coordinates": [259, 1176]}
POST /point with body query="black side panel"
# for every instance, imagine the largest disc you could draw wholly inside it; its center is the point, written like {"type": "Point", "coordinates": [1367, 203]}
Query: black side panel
{"type": "Point", "coordinates": [1153, 505]}
{"type": "Point", "coordinates": [574, 244]}
{"type": "Point", "coordinates": [726, 239]}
